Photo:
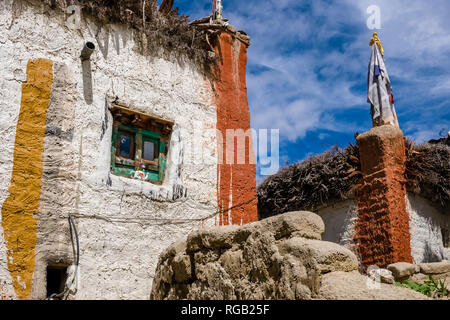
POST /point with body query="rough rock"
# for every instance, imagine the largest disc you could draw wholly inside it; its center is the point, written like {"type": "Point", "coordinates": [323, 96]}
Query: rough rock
{"type": "Point", "coordinates": [354, 286]}
{"type": "Point", "coordinates": [381, 275]}
{"type": "Point", "coordinates": [213, 238]}
{"type": "Point", "coordinates": [435, 268]}
{"type": "Point", "coordinates": [321, 255]}
{"type": "Point", "coordinates": [402, 270]}
{"type": "Point", "coordinates": [298, 223]}
{"type": "Point", "coordinates": [421, 278]}
{"type": "Point", "coordinates": [279, 258]}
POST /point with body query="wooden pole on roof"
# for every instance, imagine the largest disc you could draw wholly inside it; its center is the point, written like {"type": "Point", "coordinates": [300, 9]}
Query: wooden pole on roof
{"type": "Point", "coordinates": [217, 9]}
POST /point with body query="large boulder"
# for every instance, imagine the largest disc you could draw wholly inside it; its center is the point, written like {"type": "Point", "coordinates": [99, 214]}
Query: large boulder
{"type": "Point", "coordinates": [278, 258]}
{"type": "Point", "coordinates": [282, 257]}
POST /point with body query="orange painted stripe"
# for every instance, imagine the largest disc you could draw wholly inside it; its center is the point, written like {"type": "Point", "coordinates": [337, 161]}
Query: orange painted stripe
{"type": "Point", "coordinates": [236, 182]}
{"type": "Point", "coordinates": [19, 211]}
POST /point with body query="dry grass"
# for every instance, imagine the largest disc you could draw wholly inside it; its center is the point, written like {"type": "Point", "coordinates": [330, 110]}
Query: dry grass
{"type": "Point", "coordinates": [311, 183]}
{"type": "Point", "coordinates": [335, 175]}
{"type": "Point", "coordinates": [163, 27]}
{"type": "Point", "coordinates": [428, 171]}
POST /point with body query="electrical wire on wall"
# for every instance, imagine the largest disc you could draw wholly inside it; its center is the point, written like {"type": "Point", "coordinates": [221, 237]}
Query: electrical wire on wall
{"type": "Point", "coordinates": [64, 295]}
{"type": "Point", "coordinates": [141, 219]}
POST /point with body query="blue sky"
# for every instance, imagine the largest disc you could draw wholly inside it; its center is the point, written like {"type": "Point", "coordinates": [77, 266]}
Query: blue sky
{"type": "Point", "coordinates": [307, 67]}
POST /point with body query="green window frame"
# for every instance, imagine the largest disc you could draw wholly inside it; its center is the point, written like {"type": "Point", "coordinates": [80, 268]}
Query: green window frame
{"type": "Point", "coordinates": [136, 166]}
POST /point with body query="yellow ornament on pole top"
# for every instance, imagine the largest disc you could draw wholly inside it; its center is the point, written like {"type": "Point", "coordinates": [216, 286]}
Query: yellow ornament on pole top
{"type": "Point", "coordinates": [376, 40]}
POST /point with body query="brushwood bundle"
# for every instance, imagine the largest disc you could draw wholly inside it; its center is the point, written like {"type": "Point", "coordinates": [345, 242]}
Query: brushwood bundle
{"type": "Point", "coordinates": [166, 31]}
{"type": "Point", "coordinates": [335, 175]}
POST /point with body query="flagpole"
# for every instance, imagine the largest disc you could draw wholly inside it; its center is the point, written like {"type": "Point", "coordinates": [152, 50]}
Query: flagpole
{"type": "Point", "coordinates": [379, 93]}
{"type": "Point", "coordinates": [217, 9]}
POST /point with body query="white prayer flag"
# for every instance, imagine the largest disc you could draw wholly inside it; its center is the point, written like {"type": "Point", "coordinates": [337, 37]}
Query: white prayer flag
{"type": "Point", "coordinates": [380, 91]}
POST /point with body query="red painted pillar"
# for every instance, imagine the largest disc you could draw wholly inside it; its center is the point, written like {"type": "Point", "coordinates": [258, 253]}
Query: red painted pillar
{"type": "Point", "coordinates": [236, 184]}
{"type": "Point", "coordinates": [382, 233]}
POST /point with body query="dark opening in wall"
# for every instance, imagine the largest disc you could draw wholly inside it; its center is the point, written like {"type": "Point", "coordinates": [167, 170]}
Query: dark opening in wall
{"type": "Point", "coordinates": [56, 279]}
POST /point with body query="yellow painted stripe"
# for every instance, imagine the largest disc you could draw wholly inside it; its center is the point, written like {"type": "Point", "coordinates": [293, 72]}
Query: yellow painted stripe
{"type": "Point", "coordinates": [19, 211]}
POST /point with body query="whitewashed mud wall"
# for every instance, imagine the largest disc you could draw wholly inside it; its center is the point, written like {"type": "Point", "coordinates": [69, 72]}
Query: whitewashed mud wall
{"type": "Point", "coordinates": [426, 223]}
{"type": "Point", "coordinates": [339, 220]}
{"type": "Point", "coordinates": [123, 224]}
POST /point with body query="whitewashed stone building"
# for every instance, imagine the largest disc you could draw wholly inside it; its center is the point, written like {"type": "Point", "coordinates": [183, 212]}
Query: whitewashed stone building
{"type": "Point", "coordinates": [386, 199]}
{"type": "Point", "coordinates": [107, 154]}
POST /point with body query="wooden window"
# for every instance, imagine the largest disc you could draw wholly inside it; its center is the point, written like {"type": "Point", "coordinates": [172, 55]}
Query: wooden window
{"type": "Point", "coordinates": [139, 145]}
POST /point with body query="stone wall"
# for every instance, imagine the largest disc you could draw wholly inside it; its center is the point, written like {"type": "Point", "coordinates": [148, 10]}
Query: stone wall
{"type": "Point", "coordinates": [340, 219]}
{"type": "Point", "coordinates": [426, 223]}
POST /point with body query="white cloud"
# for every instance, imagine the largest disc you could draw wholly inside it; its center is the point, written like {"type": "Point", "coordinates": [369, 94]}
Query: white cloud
{"type": "Point", "coordinates": [442, 87]}
{"type": "Point", "coordinates": [299, 117]}
{"type": "Point", "coordinates": [422, 133]}
{"type": "Point", "coordinates": [309, 74]}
